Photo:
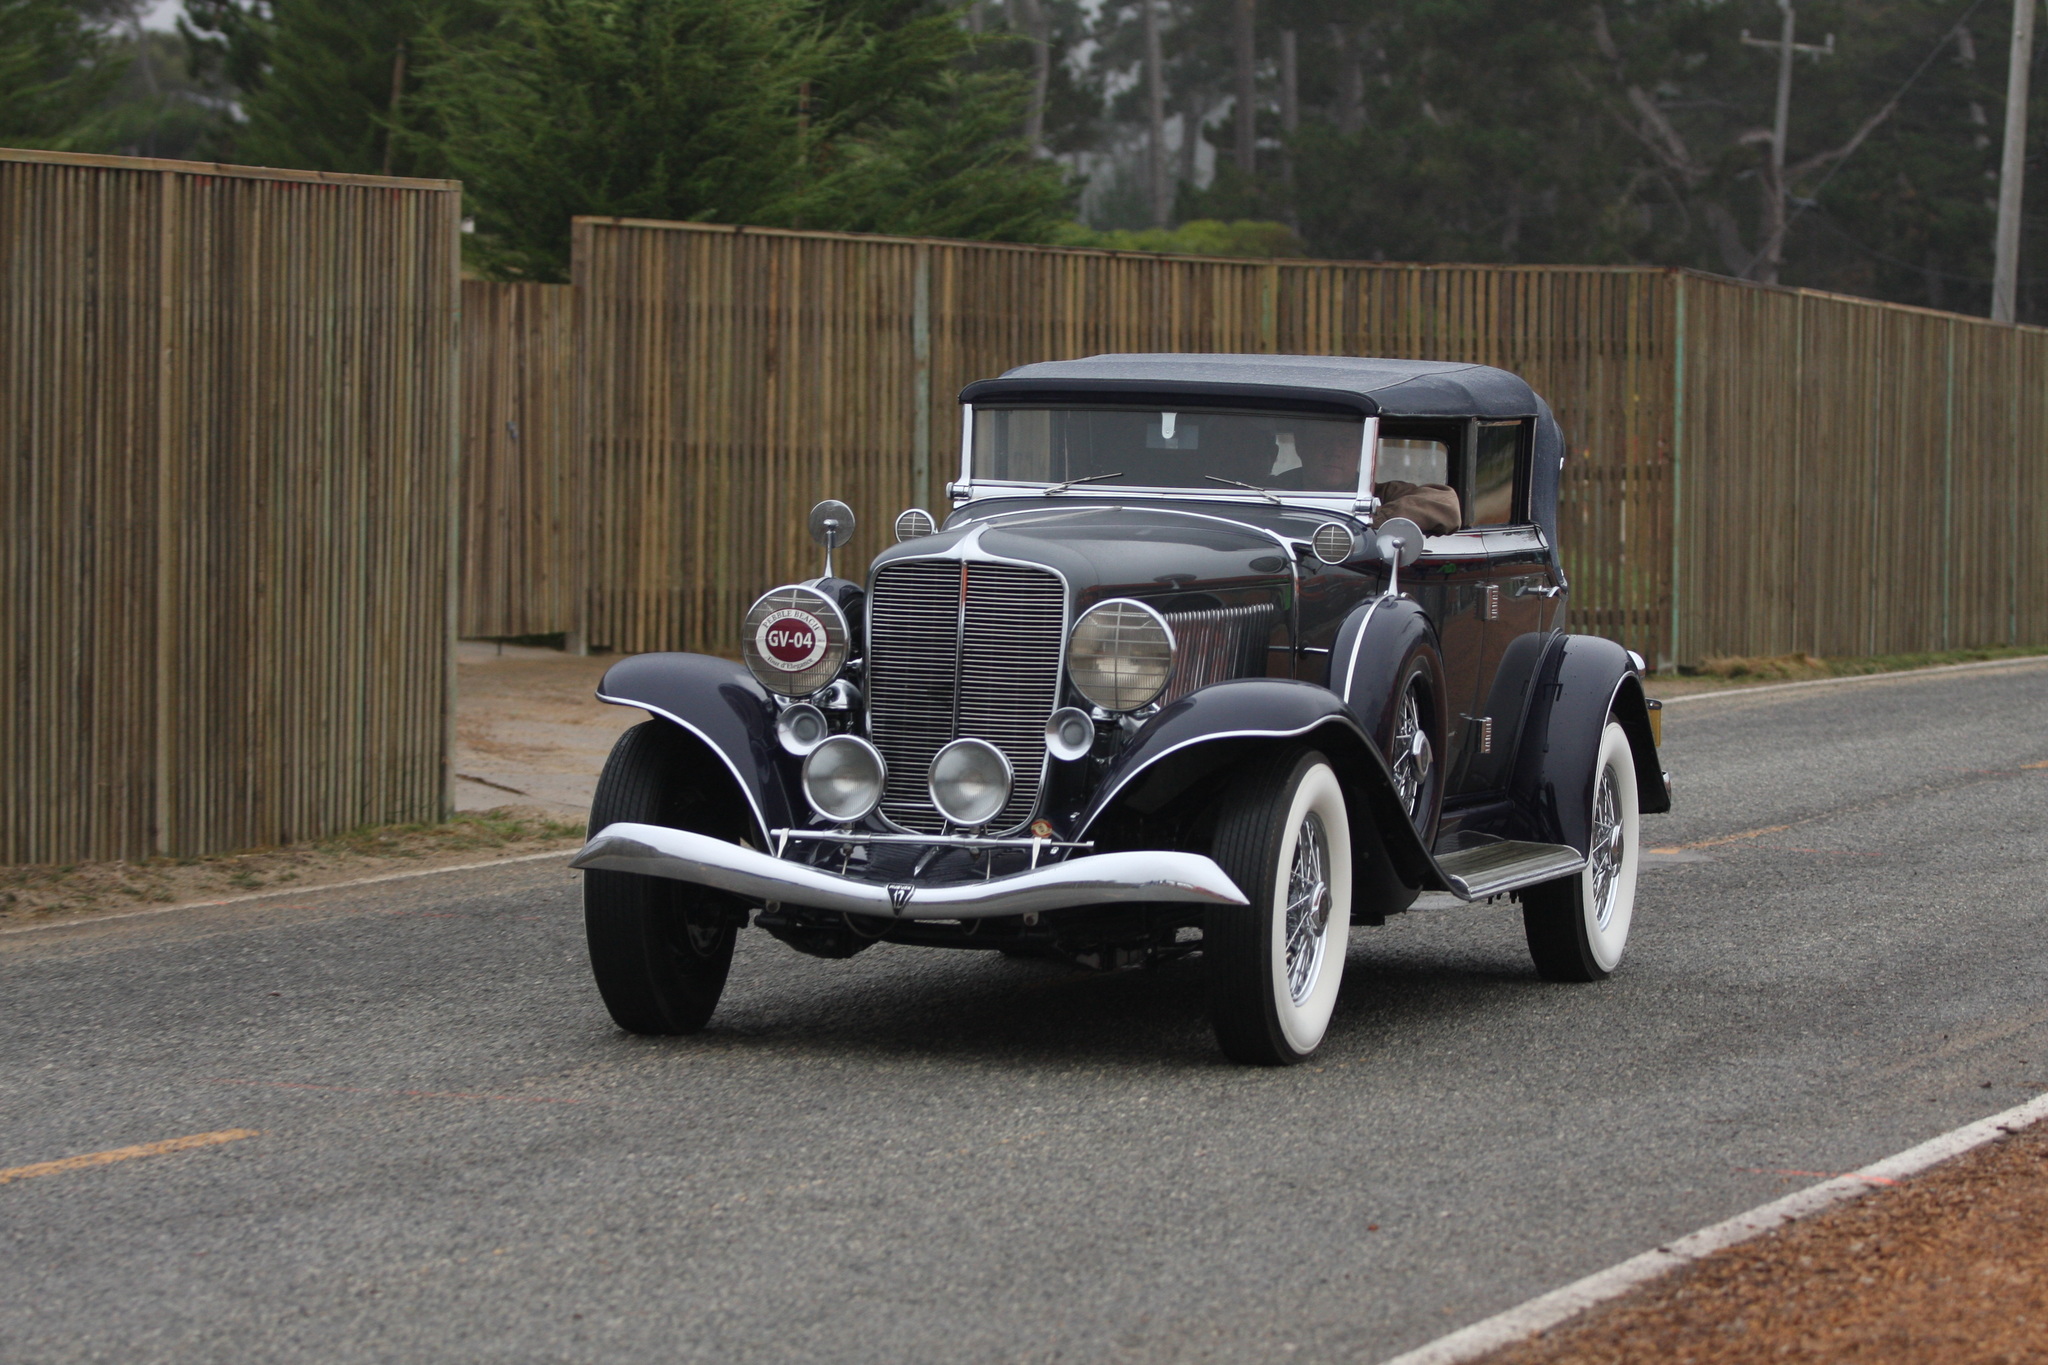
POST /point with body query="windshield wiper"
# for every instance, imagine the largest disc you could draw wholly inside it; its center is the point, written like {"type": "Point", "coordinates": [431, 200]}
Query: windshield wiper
{"type": "Point", "coordinates": [1085, 478]}
{"type": "Point", "coordinates": [1249, 487]}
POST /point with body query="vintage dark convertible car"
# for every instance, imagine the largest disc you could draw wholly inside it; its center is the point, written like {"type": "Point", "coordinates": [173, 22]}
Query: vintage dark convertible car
{"type": "Point", "coordinates": [1175, 676]}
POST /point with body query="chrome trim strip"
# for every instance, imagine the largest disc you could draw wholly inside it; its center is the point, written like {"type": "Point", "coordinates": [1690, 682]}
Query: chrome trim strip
{"type": "Point", "coordinates": [1283, 542]}
{"type": "Point", "coordinates": [1102, 800]}
{"type": "Point", "coordinates": [833, 836]}
{"type": "Point", "coordinates": [760, 820]}
{"type": "Point", "coordinates": [1100, 879]}
{"type": "Point", "coordinates": [1358, 643]}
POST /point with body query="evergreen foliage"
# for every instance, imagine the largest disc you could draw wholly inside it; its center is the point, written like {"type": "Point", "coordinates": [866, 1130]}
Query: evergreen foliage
{"type": "Point", "coordinates": [330, 85]}
{"type": "Point", "coordinates": [56, 65]}
{"type": "Point", "coordinates": [771, 112]}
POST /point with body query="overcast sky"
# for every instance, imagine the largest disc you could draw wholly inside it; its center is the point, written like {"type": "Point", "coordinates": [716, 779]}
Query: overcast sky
{"type": "Point", "coordinates": [162, 14]}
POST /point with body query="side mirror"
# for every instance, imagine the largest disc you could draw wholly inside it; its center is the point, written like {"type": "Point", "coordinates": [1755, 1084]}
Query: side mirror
{"type": "Point", "coordinates": [1400, 544]}
{"type": "Point", "coordinates": [831, 527]}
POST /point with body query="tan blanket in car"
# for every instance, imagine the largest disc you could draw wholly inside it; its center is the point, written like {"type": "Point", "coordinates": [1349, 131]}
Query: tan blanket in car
{"type": "Point", "coordinates": [1432, 506]}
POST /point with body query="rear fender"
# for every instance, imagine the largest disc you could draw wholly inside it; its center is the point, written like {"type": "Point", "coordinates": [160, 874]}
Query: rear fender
{"type": "Point", "coordinates": [1581, 681]}
{"type": "Point", "coordinates": [1195, 743]}
{"type": "Point", "coordinates": [731, 718]}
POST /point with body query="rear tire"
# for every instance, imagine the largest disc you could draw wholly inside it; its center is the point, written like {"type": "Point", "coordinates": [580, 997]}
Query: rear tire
{"type": "Point", "coordinates": [660, 949]}
{"type": "Point", "coordinates": [1577, 926]}
{"type": "Point", "coordinates": [1275, 965]}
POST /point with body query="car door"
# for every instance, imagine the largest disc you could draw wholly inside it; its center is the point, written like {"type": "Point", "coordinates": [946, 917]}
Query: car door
{"type": "Point", "coordinates": [1519, 598]}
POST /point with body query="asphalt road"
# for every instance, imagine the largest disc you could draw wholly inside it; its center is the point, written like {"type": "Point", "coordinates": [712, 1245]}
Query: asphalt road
{"type": "Point", "coordinates": [937, 1157]}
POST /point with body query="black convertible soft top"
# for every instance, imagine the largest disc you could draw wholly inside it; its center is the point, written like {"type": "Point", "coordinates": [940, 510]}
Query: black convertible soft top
{"type": "Point", "coordinates": [1393, 388]}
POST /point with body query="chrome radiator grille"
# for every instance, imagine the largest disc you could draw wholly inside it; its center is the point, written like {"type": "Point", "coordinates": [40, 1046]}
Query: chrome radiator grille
{"type": "Point", "coordinates": [962, 647]}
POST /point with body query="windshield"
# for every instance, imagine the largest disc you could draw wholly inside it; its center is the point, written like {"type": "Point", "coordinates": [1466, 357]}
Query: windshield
{"type": "Point", "coordinates": [1206, 450]}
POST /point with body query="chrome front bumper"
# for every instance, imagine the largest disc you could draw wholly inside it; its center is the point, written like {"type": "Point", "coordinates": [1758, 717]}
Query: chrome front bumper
{"type": "Point", "coordinates": [1099, 879]}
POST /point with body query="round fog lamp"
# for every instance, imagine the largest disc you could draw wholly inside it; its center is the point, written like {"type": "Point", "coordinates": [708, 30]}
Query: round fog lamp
{"type": "Point", "coordinates": [801, 728]}
{"type": "Point", "coordinates": [970, 782]}
{"type": "Point", "coordinates": [843, 778]}
{"type": "Point", "coordinates": [1120, 654]}
{"type": "Point", "coordinates": [1069, 734]}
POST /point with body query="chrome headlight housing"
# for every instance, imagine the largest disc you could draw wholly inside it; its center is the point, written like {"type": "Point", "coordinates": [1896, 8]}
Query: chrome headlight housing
{"type": "Point", "coordinates": [794, 640]}
{"type": "Point", "coordinates": [1120, 654]}
{"type": "Point", "coordinates": [843, 778]}
{"type": "Point", "coordinates": [970, 782]}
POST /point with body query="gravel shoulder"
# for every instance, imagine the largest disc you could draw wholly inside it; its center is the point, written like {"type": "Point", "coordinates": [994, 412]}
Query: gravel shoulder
{"type": "Point", "coordinates": [1948, 1267]}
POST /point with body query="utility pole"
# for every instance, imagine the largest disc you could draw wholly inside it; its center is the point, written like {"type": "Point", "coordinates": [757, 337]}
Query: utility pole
{"type": "Point", "coordinates": [1247, 109]}
{"type": "Point", "coordinates": [1155, 112]}
{"type": "Point", "coordinates": [2012, 169]}
{"type": "Point", "coordinates": [1772, 253]}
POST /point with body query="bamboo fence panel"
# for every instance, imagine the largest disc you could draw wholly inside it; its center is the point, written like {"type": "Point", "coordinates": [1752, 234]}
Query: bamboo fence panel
{"type": "Point", "coordinates": [732, 377]}
{"type": "Point", "coordinates": [1859, 478]}
{"type": "Point", "coordinates": [1750, 470]}
{"type": "Point", "coordinates": [520, 509]}
{"type": "Point", "coordinates": [230, 424]}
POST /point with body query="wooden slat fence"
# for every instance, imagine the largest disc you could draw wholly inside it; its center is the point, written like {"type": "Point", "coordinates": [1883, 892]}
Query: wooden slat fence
{"type": "Point", "coordinates": [731, 377]}
{"type": "Point", "coordinates": [229, 424]}
{"type": "Point", "coordinates": [519, 505]}
{"type": "Point", "coordinates": [1857, 478]}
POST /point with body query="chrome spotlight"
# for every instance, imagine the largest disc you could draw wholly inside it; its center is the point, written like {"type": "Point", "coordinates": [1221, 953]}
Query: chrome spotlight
{"type": "Point", "coordinates": [970, 782]}
{"type": "Point", "coordinates": [843, 778]}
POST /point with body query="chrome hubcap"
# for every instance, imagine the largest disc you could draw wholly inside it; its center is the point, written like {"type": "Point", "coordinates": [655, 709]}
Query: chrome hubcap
{"type": "Point", "coordinates": [1412, 758]}
{"type": "Point", "coordinates": [1603, 858]}
{"type": "Point", "coordinates": [1308, 906]}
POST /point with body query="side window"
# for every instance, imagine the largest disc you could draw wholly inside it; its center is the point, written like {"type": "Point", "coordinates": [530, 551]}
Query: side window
{"type": "Point", "coordinates": [1411, 459]}
{"type": "Point", "coordinates": [1494, 460]}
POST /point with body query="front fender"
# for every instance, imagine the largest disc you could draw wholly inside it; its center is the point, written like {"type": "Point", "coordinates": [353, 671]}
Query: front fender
{"type": "Point", "coordinates": [732, 718]}
{"type": "Point", "coordinates": [1373, 644]}
{"type": "Point", "coordinates": [1581, 681]}
{"type": "Point", "coordinates": [1204, 733]}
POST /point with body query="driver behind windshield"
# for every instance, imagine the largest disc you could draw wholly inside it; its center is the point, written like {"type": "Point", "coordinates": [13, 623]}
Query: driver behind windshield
{"type": "Point", "coordinates": [1329, 464]}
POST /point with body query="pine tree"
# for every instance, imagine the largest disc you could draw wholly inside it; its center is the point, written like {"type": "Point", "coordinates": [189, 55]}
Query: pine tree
{"type": "Point", "coordinates": [843, 114]}
{"type": "Point", "coordinates": [330, 85]}
{"type": "Point", "coordinates": [55, 66]}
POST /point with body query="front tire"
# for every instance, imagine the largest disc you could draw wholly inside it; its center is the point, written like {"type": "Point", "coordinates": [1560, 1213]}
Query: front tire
{"type": "Point", "coordinates": [660, 949]}
{"type": "Point", "coordinates": [1577, 926]}
{"type": "Point", "coordinates": [1284, 837]}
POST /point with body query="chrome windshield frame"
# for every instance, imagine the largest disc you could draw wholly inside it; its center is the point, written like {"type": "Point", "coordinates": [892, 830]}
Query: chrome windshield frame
{"type": "Point", "coordinates": [1356, 502]}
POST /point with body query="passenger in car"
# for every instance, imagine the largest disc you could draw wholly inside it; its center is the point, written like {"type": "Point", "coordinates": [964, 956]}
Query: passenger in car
{"type": "Point", "coordinates": [1329, 464]}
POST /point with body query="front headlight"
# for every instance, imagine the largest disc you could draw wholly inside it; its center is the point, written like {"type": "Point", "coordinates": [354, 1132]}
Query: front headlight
{"type": "Point", "coordinates": [794, 640]}
{"type": "Point", "coordinates": [1120, 654]}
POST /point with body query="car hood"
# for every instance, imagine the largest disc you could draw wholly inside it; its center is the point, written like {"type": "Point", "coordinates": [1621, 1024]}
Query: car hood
{"type": "Point", "coordinates": [1119, 550]}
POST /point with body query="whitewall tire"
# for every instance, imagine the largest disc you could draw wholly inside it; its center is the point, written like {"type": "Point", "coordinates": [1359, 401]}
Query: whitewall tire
{"type": "Point", "coordinates": [1578, 926]}
{"type": "Point", "coordinates": [1284, 836]}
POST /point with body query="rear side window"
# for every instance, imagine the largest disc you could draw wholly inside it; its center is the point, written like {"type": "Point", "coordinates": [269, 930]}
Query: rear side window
{"type": "Point", "coordinates": [1412, 459]}
{"type": "Point", "coordinates": [1492, 501]}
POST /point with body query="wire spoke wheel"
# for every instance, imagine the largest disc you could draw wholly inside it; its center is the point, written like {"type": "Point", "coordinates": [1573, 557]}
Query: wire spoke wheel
{"type": "Point", "coordinates": [1308, 907]}
{"type": "Point", "coordinates": [1414, 758]}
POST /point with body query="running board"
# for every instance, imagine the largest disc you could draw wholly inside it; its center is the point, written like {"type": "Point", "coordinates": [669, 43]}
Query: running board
{"type": "Point", "coordinates": [1473, 874]}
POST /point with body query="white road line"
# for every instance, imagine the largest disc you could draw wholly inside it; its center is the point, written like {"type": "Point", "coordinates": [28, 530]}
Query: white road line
{"type": "Point", "coordinates": [1896, 675]}
{"type": "Point", "coordinates": [1546, 1311]}
{"type": "Point", "coordinates": [292, 891]}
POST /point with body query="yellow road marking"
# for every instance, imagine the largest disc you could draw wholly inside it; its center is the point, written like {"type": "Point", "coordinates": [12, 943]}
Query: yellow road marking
{"type": "Point", "coordinates": [1726, 838]}
{"type": "Point", "coordinates": [79, 1163]}
{"type": "Point", "coordinates": [2030, 766]}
